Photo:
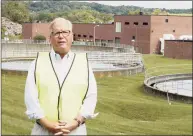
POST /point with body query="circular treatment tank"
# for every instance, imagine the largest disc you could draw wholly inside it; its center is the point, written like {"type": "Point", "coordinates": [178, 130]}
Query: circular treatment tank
{"type": "Point", "coordinates": [180, 87]}
{"type": "Point", "coordinates": [103, 64]}
{"type": "Point", "coordinates": [174, 86]}
{"type": "Point", "coordinates": [23, 65]}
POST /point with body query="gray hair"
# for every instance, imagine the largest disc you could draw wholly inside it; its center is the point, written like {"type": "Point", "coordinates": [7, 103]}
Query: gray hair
{"type": "Point", "coordinates": [67, 24]}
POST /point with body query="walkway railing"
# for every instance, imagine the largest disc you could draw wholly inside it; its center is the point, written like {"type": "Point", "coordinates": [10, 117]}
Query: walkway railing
{"type": "Point", "coordinates": [170, 79]}
{"type": "Point", "coordinates": [106, 44]}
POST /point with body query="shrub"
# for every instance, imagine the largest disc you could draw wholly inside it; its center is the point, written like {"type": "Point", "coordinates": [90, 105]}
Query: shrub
{"type": "Point", "coordinates": [3, 29]}
{"type": "Point", "coordinates": [39, 38]}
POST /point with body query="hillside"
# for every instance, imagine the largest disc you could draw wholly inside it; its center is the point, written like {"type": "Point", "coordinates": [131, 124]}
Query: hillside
{"type": "Point", "coordinates": [77, 12]}
{"type": "Point", "coordinates": [11, 27]}
{"type": "Point", "coordinates": [61, 6]}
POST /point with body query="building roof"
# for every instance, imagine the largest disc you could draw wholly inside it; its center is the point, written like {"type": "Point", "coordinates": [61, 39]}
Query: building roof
{"type": "Point", "coordinates": [157, 15]}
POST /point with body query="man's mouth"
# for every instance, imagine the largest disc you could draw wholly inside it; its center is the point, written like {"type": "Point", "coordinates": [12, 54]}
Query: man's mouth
{"type": "Point", "coordinates": [62, 42]}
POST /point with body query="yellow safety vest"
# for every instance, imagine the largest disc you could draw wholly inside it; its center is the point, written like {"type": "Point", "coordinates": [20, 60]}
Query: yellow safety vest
{"type": "Point", "coordinates": [61, 103]}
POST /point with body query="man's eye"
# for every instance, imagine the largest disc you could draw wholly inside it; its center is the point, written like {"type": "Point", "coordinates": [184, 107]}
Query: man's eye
{"type": "Point", "coordinates": [57, 33]}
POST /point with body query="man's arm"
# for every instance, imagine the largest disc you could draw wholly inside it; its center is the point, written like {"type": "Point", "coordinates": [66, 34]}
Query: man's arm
{"type": "Point", "coordinates": [89, 103]}
{"type": "Point", "coordinates": [34, 110]}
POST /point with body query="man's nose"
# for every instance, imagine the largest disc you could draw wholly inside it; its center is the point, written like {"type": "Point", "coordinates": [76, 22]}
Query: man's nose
{"type": "Point", "coordinates": [60, 36]}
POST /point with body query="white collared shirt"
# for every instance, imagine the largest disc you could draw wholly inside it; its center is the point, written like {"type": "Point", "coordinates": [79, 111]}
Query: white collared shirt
{"type": "Point", "coordinates": [61, 66]}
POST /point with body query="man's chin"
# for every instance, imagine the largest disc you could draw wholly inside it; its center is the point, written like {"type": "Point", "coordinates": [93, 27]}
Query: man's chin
{"type": "Point", "coordinates": [62, 46]}
{"type": "Point", "coordinates": [62, 49]}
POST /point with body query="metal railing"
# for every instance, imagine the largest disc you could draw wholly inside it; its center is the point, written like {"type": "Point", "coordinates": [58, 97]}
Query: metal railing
{"type": "Point", "coordinates": [103, 44]}
{"type": "Point", "coordinates": [29, 48]}
{"type": "Point", "coordinates": [111, 56]}
{"type": "Point", "coordinates": [170, 79]}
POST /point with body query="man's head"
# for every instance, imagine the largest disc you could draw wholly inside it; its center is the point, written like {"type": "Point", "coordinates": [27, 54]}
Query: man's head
{"type": "Point", "coordinates": [61, 36]}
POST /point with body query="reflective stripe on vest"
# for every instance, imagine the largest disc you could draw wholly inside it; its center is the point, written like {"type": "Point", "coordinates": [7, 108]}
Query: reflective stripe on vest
{"type": "Point", "coordinates": [61, 103]}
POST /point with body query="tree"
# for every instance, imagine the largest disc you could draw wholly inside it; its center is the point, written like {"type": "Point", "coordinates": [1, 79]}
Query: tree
{"type": "Point", "coordinates": [3, 29]}
{"type": "Point", "coordinates": [54, 6]}
{"type": "Point", "coordinates": [160, 12]}
{"type": "Point", "coordinates": [80, 16]}
{"type": "Point", "coordinates": [88, 16]}
{"type": "Point", "coordinates": [46, 17]}
{"type": "Point", "coordinates": [136, 12]}
{"type": "Point", "coordinates": [106, 18]}
{"type": "Point", "coordinates": [15, 11]}
{"type": "Point", "coordinates": [156, 12]}
{"type": "Point", "coordinates": [164, 13]}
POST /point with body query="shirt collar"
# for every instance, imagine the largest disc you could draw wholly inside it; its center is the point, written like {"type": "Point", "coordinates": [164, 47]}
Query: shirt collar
{"type": "Point", "coordinates": [57, 56]}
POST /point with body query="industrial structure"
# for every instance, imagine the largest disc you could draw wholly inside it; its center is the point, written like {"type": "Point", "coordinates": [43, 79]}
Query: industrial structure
{"type": "Point", "coordinates": [141, 31]}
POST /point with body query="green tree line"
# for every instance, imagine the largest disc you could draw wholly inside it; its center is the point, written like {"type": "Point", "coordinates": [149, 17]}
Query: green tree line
{"type": "Point", "coordinates": [77, 12]}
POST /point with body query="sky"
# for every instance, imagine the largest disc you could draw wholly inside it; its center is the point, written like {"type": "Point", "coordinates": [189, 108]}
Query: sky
{"type": "Point", "coordinates": [150, 4]}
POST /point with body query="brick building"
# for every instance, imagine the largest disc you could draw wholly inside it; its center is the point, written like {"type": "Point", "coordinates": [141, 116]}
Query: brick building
{"type": "Point", "coordinates": [141, 31]}
{"type": "Point", "coordinates": [178, 49]}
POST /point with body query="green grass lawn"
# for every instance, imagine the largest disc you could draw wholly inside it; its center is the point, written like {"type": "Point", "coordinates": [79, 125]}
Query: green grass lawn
{"type": "Point", "coordinates": [123, 106]}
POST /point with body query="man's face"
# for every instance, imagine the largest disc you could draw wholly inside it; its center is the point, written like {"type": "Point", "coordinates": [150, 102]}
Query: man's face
{"type": "Point", "coordinates": [61, 39]}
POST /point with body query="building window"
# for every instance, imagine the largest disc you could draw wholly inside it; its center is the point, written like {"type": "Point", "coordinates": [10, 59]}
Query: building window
{"type": "Point", "coordinates": [97, 40]}
{"type": "Point", "coordinates": [118, 27]}
{"type": "Point", "coordinates": [84, 36]}
{"type": "Point", "coordinates": [110, 41]}
{"type": "Point", "coordinates": [174, 31]}
{"type": "Point", "coordinates": [117, 39]}
{"type": "Point", "coordinates": [133, 37]}
{"type": "Point", "coordinates": [145, 23]}
{"type": "Point", "coordinates": [135, 23]}
{"type": "Point", "coordinates": [103, 42]}
{"type": "Point", "coordinates": [79, 35]}
{"type": "Point", "coordinates": [74, 35]}
{"type": "Point", "coordinates": [126, 23]}
{"type": "Point", "coordinates": [90, 36]}
{"type": "Point", "coordinates": [166, 20]}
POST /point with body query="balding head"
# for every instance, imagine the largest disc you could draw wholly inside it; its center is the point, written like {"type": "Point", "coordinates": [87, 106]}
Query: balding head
{"type": "Point", "coordinates": [60, 23]}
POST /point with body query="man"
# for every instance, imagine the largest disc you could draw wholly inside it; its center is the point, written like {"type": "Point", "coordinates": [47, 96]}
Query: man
{"type": "Point", "coordinates": [61, 90]}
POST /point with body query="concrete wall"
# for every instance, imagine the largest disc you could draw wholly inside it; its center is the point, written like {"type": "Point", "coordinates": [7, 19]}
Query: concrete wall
{"type": "Point", "coordinates": [157, 92]}
{"type": "Point", "coordinates": [179, 49]}
{"type": "Point", "coordinates": [97, 74]}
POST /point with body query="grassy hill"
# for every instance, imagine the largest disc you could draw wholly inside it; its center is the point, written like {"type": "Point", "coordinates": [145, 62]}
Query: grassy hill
{"type": "Point", "coordinates": [123, 106]}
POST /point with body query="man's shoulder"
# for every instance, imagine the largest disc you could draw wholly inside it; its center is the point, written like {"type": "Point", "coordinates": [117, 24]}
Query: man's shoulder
{"type": "Point", "coordinates": [43, 53]}
{"type": "Point", "coordinates": [80, 53]}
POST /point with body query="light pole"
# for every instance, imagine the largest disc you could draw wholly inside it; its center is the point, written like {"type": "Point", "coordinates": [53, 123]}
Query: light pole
{"type": "Point", "coordinates": [136, 42]}
{"type": "Point", "coordinates": [133, 41]}
{"type": "Point", "coordinates": [94, 33]}
{"type": "Point", "coordinates": [136, 33]}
